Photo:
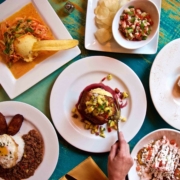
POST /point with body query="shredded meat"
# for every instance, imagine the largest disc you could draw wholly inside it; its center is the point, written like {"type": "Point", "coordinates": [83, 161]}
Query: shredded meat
{"type": "Point", "coordinates": [100, 118]}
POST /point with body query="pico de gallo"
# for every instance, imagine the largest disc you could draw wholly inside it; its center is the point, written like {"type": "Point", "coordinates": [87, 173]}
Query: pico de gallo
{"type": "Point", "coordinates": [135, 24]}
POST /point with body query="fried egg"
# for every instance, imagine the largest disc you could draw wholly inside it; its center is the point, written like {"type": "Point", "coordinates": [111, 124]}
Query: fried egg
{"type": "Point", "coordinates": [11, 150]}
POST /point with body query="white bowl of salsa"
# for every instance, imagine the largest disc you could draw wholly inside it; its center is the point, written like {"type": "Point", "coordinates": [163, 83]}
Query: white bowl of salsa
{"type": "Point", "coordinates": [135, 24]}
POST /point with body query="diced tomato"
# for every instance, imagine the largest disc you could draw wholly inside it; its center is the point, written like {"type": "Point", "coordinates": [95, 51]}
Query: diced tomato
{"type": "Point", "coordinates": [97, 133]}
{"type": "Point", "coordinates": [138, 168]}
{"type": "Point", "coordinates": [160, 164]}
{"type": "Point", "coordinates": [109, 129]}
{"type": "Point", "coordinates": [151, 23]}
{"type": "Point", "coordinates": [123, 23]}
{"type": "Point", "coordinates": [137, 36]}
{"type": "Point", "coordinates": [172, 141]}
{"type": "Point", "coordinates": [148, 16]}
{"type": "Point", "coordinates": [125, 16]}
{"type": "Point", "coordinates": [149, 155]}
{"type": "Point", "coordinates": [134, 39]}
{"type": "Point", "coordinates": [106, 116]}
{"type": "Point", "coordinates": [140, 17]}
{"type": "Point", "coordinates": [149, 148]}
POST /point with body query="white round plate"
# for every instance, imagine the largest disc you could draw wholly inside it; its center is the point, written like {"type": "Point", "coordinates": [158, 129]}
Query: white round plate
{"type": "Point", "coordinates": [74, 79]}
{"type": "Point", "coordinates": [164, 75]}
{"type": "Point", "coordinates": [169, 133]}
{"type": "Point", "coordinates": [34, 119]}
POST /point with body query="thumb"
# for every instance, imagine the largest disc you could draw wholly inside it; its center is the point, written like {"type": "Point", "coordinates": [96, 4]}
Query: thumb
{"type": "Point", "coordinates": [113, 151]}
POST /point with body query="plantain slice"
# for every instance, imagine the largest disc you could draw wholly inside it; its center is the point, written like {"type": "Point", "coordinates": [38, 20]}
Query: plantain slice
{"type": "Point", "coordinates": [15, 124]}
{"type": "Point", "coordinates": [54, 45]}
{"type": "Point", "coordinates": [3, 124]}
{"type": "Point", "coordinates": [139, 156]}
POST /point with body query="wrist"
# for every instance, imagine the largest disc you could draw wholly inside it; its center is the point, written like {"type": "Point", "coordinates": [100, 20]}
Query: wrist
{"type": "Point", "coordinates": [117, 178]}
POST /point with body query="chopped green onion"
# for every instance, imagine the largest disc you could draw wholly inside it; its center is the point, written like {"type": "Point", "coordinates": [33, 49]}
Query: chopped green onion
{"type": "Point", "coordinates": [130, 30]}
{"type": "Point", "coordinates": [133, 19]}
{"type": "Point", "coordinates": [142, 25]}
{"type": "Point", "coordinates": [29, 30]}
{"type": "Point", "coordinates": [130, 13]}
{"type": "Point", "coordinates": [144, 37]}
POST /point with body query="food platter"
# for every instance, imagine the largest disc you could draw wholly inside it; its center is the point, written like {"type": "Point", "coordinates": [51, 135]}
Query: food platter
{"type": "Point", "coordinates": [155, 135]}
{"type": "Point", "coordinates": [74, 79]}
{"type": "Point", "coordinates": [34, 119]}
{"type": "Point", "coordinates": [164, 90]}
{"type": "Point", "coordinates": [92, 44]}
{"type": "Point", "coordinates": [15, 87]}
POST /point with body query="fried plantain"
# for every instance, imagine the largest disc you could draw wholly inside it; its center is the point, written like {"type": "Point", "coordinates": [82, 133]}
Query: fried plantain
{"type": "Point", "coordinates": [3, 124]}
{"type": "Point", "coordinates": [139, 156]}
{"type": "Point", "coordinates": [15, 124]}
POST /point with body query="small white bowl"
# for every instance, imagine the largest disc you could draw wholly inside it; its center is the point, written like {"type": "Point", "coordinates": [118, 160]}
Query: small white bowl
{"type": "Point", "coordinates": [145, 5]}
{"type": "Point", "coordinates": [155, 135]}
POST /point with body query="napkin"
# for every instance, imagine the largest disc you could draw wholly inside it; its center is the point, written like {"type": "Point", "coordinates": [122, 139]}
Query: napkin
{"type": "Point", "coordinates": [87, 170]}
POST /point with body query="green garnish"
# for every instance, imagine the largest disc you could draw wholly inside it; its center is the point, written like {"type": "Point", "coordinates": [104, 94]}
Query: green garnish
{"type": "Point", "coordinates": [6, 51]}
{"type": "Point", "coordinates": [130, 30]}
{"type": "Point", "coordinates": [142, 25]}
{"type": "Point", "coordinates": [131, 7]}
{"type": "Point", "coordinates": [132, 19]}
{"type": "Point", "coordinates": [29, 30]}
{"type": "Point", "coordinates": [130, 13]}
{"type": "Point", "coordinates": [102, 106]}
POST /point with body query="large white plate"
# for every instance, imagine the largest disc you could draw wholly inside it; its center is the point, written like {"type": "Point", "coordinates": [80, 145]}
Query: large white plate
{"type": "Point", "coordinates": [34, 119]}
{"type": "Point", "coordinates": [92, 44]}
{"type": "Point", "coordinates": [74, 79]}
{"type": "Point", "coordinates": [14, 87]}
{"type": "Point", "coordinates": [169, 133]}
{"type": "Point", "coordinates": [164, 91]}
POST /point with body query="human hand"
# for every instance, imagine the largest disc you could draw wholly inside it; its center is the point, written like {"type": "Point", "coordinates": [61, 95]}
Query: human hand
{"type": "Point", "coordinates": [119, 160]}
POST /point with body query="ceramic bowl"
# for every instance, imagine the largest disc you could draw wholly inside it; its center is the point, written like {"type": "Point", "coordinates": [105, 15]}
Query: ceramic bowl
{"type": "Point", "coordinates": [155, 135]}
{"type": "Point", "coordinates": [144, 5]}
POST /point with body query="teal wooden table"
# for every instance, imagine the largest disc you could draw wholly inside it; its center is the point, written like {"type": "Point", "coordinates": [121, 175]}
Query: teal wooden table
{"type": "Point", "coordinates": [38, 96]}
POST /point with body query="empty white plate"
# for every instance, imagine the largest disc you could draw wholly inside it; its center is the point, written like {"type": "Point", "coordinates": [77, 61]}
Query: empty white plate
{"type": "Point", "coordinates": [164, 89]}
